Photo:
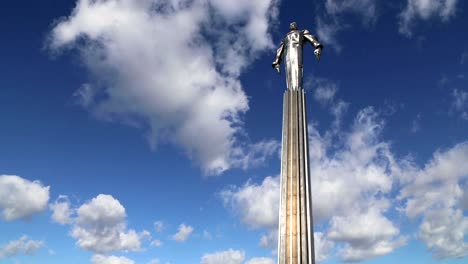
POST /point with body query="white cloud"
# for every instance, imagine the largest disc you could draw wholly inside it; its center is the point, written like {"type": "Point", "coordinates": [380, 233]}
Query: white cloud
{"type": "Point", "coordinates": [226, 257]}
{"type": "Point", "coordinates": [436, 193]}
{"type": "Point", "coordinates": [460, 103]}
{"type": "Point", "coordinates": [365, 235]}
{"type": "Point", "coordinates": [322, 246]}
{"type": "Point", "coordinates": [425, 10]}
{"type": "Point", "coordinates": [327, 31]}
{"type": "Point", "coordinates": [324, 90]}
{"type": "Point", "coordinates": [183, 233]}
{"type": "Point", "coordinates": [20, 246]}
{"type": "Point", "coordinates": [61, 211]}
{"type": "Point", "coordinates": [158, 226]}
{"type": "Point", "coordinates": [256, 205]}
{"type": "Point", "coordinates": [362, 169]}
{"type": "Point", "coordinates": [443, 231]}
{"type": "Point", "coordinates": [270, 239]}
{"type": "Point", "coordinates": [101, 259]}
{"type": "Point", "coordinates": [260, 261]}
{"type": "Point", "coordinates": [171, 68]}
{"type": "Point", "coordinates": [100, 226]}
{"type": "Point", "coordinates": [21, 198]}
{"type": "Point", "coordinates": [325, 93]}
{"type": "Point", "coordinates": [254, 155]}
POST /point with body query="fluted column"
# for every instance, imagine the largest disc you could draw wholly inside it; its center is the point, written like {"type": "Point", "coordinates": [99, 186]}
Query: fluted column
{"type": "Point", "coordinates": [296, 243]}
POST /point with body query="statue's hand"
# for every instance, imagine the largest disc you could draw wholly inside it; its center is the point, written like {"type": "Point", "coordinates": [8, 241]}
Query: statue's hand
{"type": "Point", "coordinates": [318, 52]}
{"type": "Point", "coordinates": [276, 66]}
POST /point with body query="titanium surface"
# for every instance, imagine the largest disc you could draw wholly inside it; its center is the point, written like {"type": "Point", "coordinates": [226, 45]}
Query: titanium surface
{"type": "Point", "coordinates": [292, 46]}
{"type": "Point", "coordinates": [296, 241]}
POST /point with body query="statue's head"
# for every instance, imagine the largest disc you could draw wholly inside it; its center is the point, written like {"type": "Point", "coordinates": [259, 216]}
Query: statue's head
{"type": "Point", "coordinates": [293, 26]}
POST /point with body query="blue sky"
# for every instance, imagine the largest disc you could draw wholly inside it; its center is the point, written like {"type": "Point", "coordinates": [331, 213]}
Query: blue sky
{"type": "Point", "coordinates": [149, 131]}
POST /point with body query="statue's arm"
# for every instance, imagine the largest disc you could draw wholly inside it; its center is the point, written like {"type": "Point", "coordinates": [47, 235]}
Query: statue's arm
{"type": "Point", "coordinates": [279, 54]}
{"type": "Point", "coordinates": [314, 41]}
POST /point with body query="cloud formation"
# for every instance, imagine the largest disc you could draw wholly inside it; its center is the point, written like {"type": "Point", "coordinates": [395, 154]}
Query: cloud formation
{"type": "Point", "coordinates": [21, 198]}
{"type": "Point", "coordinates": [102, 259]}
{"type": "Point", "coordinates": [171, 68]}
{"type": "Point", "coordinates": [260, 261]}
{"type": "Point", "coordinates": [228, 257]}
{"type": "Point", "coordinates": [437, 193]}
{"type": "Point", "coordinates": [61, 210]}
{"type": "Point", "coordinates": [22, 246]}
{"type": "Point", "coordinates": [256, 205]}
{"type": "Point", "coordinates": [183, 233]}
{"type": "Point", "coordinates": [425, 10]}
{"type": "Point", "coordinates": [332, 18]}
{"type": "Point", "coordinates": [100, 226]}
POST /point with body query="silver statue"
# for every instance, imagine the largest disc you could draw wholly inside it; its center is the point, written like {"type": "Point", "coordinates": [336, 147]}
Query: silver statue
{"type": "Point", "coordinates": [293, 44]}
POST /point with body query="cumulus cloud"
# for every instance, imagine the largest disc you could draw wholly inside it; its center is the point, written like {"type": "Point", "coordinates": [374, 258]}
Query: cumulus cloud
{"type": "Point", "coordinates": [425, 10]}
{"type": "Point", "coordinates": [443, 232]}
{"type": "Point", "coordinates": [102, 259]}
{"type": "Point", "coordinates": [257, 205]}
{"type": "Point", "coordinates": [436, 193]}
{"type": "Point", "coordinates": [23, 245]}
{"type": "Point", "coordinates": [227, 257]}
{"type": "Point", "coordinates": [100, 226]}
{"type": "Point", "coordinates": [260, 261]}
{"type": "Point", "coordinates": [365, 235]}
{"type": "Point", "coordinates": [172, 69]}
{"type": "Point", "coordinates": [61, 211]}
{"type": "Point", "coordinates": [183, 233]}
{"type": "Point", "coordinates": [21, 198]}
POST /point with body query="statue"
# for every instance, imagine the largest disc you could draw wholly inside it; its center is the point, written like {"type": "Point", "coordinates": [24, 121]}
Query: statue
{"type": "Point", "coordinates": [293, 44]}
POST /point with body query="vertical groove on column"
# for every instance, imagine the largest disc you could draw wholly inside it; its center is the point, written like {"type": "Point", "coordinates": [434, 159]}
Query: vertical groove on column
{"type": "Point", "coordinates": [283, 185]}
{"type": "Point", "coordinates": [295, 182]}
{"type": "Point", "coordinates": [310, 220]}
{"type": "Point", "coordinates": [303, 217]}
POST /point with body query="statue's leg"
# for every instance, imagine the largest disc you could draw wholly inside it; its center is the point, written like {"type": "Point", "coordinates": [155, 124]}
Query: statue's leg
{"type": "Point", "coordinates": [287, 69]}
{"type": "Point", "coordinates": [296, 76]}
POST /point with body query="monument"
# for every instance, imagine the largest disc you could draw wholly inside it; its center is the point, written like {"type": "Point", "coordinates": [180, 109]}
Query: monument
{"type": "Point", "coordinates": [296, 236]}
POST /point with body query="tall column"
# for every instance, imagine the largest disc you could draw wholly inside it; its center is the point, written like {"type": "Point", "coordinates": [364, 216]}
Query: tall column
{"type": "Point", "coordinates": [296, 240]}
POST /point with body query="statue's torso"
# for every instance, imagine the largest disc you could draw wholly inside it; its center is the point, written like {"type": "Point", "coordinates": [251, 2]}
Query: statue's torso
{"type": "Point", "coordinates": [293, 47]}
